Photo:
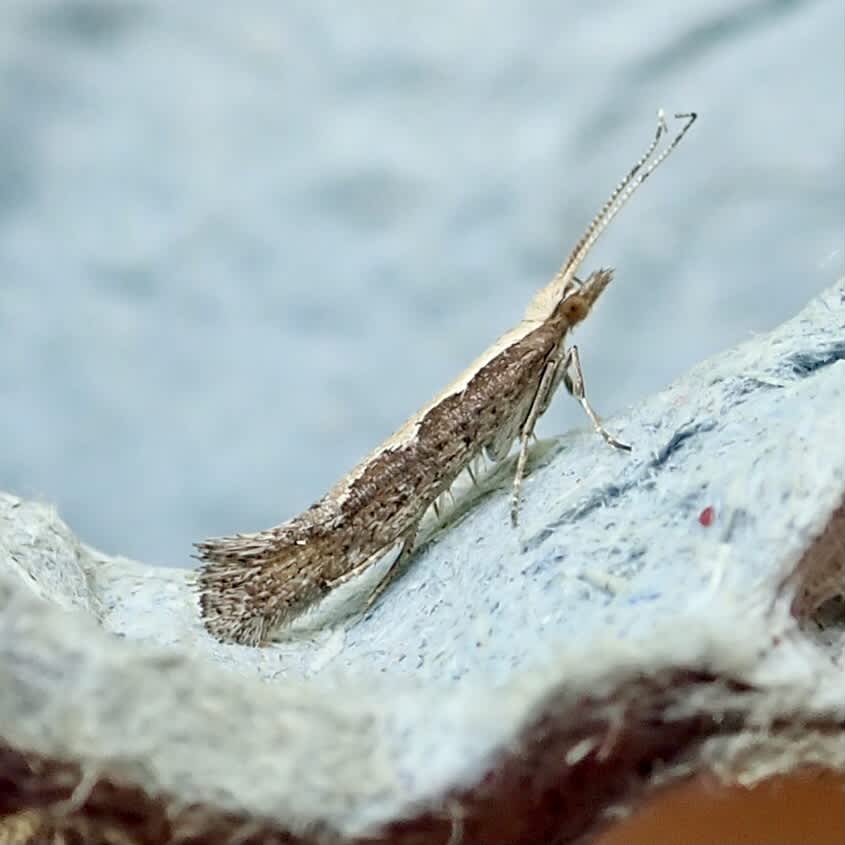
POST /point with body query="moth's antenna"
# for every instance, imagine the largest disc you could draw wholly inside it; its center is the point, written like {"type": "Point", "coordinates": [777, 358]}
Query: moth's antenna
{"type": "Point", "coordinates": [623, 192]}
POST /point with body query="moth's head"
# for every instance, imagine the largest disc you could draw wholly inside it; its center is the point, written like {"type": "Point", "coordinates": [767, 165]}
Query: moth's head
{"type": "Point", "coordinates": [578, 298]}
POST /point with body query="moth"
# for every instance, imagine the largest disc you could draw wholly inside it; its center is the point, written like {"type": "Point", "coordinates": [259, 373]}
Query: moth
{"type": "Point", "coordinates": [252, 584]}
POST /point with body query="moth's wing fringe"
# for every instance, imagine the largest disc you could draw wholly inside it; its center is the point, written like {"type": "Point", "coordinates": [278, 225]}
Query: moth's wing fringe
{"type": "Point", "coordinates": [249, 586]}
{"type": "Point", "coordinates": [241, 547]}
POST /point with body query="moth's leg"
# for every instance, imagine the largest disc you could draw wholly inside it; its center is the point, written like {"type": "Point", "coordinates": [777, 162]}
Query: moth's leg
{"type": "Point", "coordinates": [560, 372]}
{"type": "Point", "coordinates": [527, 430]}
{"type": "Point", "coordinates": [472, 475]}
{"type": "Point", "coordinates": [573, 379]}
{"type": "Point", "coordinates": [404, 553]}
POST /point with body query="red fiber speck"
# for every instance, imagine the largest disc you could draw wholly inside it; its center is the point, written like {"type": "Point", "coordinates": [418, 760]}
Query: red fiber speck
{"type": "Point", "coordinates": [707, 516]}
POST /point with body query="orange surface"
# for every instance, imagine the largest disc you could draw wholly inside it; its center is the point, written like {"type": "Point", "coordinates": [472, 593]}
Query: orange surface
{"type": "Point", "coordinates": [802, 809]}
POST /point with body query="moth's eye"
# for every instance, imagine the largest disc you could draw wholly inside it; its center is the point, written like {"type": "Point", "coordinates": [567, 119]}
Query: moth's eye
{"type": "Point", "coordinates": [575, 308]}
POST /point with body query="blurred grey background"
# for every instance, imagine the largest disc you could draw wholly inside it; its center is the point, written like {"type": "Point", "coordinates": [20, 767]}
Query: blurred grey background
{"type": "Point", "coordinates": [240, 243]}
